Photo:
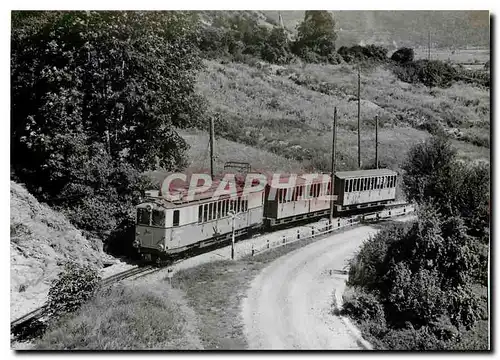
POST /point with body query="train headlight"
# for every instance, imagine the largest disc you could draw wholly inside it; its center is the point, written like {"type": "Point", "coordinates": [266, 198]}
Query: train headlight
{"type": "Point", "coordinates": [161, 247]}
{"type": "Point", "coordinates": [136, 244]}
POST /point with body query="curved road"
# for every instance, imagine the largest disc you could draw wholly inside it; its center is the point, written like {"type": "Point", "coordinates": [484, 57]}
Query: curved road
{"type": "Point", "coordinates": [288, 305]}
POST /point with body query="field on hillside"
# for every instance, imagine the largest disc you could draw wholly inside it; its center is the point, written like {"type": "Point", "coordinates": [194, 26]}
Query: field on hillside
{"type": "Point", "coordinates": [288, 110]}
{"type": "Point", "coordinates": [457, 56]}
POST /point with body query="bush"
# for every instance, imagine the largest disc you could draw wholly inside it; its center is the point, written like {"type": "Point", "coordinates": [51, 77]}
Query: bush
{"type": "Point", "coordinates": [75, 285]}
{"type": "Point", "coordinates": [403, 55]}
{"type": "Point", "coordinates": [358, 53]}
{"type": "Point", "coordinates": [430, 73]}
{"type": "Point", "coordinates": [363, 306]}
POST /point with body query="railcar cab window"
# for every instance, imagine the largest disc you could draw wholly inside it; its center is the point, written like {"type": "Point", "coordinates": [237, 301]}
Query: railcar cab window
{"type": "Point", "coordinates": [176, 218]}
{"type": "Point", "coordinates": [158, 218]}
{"type": "Point", "coordinates": [143, 216]}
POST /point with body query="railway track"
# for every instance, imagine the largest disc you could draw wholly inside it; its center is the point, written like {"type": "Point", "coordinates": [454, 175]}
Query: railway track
{"type": "Point", "coordinates": [32, 321]}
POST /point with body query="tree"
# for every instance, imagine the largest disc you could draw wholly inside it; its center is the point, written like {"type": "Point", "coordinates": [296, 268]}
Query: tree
{"type": "Point", "coordinates": [433, 174]}
{"type": "Point", "coordinates": [316, 33]}
{"type": "Point", "coordinates": [276, 49]}
{"type": "Point", "coordinates": [95, 97]}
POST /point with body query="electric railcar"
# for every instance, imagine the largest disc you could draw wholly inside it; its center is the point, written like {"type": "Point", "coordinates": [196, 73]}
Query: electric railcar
{"type": "Point", "coordinates": [167, 227]}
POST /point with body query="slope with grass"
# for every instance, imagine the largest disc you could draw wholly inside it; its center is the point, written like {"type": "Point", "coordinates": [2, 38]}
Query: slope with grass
{"type": "Point", "coordinates": [40, 239]}
{"type": "Point", "coordinates": [127, 317]}
{"type": "Point", "coordinates": [288, 110]}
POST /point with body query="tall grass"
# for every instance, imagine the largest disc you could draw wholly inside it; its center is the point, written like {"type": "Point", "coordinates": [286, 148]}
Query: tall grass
{"type": "Point", "coordinates": [126, 317]}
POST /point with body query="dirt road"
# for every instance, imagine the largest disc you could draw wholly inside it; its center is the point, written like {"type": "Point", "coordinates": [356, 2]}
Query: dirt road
{"type": "Point", "coordinates": [288, 305]}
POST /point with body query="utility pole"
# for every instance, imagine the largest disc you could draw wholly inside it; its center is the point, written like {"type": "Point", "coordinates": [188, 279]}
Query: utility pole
{"type": "Point", "coordinates": [233, 216]}
{"type": "Point", "coordinates": [429, 46]}
{"type": "Point", "coordinates": [376, 141]}
{"type": "Point", "coordinates": [359, 121]}
{"type": "Point", "coordinates": [212, 147]}
{"type": "Point", "coordinates": [332, 175]}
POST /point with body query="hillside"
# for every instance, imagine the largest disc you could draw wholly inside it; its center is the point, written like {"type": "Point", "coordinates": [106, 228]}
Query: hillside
{"type": "Point", "coordinates": [40, 239]}
{"type": "Point", "coordinates": [288, 110]}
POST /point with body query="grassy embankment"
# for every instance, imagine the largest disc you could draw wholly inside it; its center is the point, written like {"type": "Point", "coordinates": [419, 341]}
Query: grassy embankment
{"type": "Point", "coordinates": [127, 317]}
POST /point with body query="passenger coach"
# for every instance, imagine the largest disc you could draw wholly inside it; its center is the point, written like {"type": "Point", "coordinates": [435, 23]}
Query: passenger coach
{"type": "Point", "coordinates": [364, 188]}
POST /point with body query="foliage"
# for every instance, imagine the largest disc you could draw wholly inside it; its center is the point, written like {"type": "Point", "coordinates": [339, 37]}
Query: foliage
{"type": "Point", "coordinates": [75, 285]}
{"type": "Point", "coordinates": [95, 98]}
{"type": "Point", "coordinates": [239, 36]}
{"type": "Point", "coordinates": [425, 275]}
{"type": "Point", "coordinates": [433, 73]}
{"type": "Point", "coordinates": [358, 53]}
{"type": "Point", "coordinates": [275, 49]}
{"type": "Point", "coordinates": [403, 55]}
{"type": "Point", "coordinates": [362, 305]}
{"type": "Point", "coordinates": [433, 174]}
{"type": "Point", "coordinates": [316, 35]}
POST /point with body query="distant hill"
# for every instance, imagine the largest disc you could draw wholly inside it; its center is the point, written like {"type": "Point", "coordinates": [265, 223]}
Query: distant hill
{"type": "Point", "coordinates": [449, 29]}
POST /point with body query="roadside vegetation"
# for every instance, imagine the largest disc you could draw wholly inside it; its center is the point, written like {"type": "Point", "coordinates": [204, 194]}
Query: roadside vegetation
{"type": "Point", "coordinates": [423, 286]}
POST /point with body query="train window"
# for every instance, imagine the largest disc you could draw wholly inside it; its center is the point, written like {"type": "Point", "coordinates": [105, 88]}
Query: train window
{"type": "Point", "coordinates": [299, 191]}
{"type": "Point", "coordinates": [219, 209]}
{"type": "Point", "coordinates": [356, 184]}
{"type": "Point", "coordinates": [238, 205]}
{"type": "Point", "coordinates": [205, 212]}
{"type": "Point", "coordinates": [346, 185]}
{"type": "Point", "coordinates": [210, 211]}
{"type": "Point", "coordinates": [158, 218]}
{"type": "Point", "coordinates": [365, 186]}
{"type": "Point", "coordinates": [176, 218]}
{"type": "Point", "coordinates": [223, 206]}
{"type": "Point", "coordinates": [350, 185]}
{"type": "Point", "coordinates": [143, 216]}
{"type": "Point", "coordinates": [200, 214]}
{"type": "Point", "coordinates": [371, 183]}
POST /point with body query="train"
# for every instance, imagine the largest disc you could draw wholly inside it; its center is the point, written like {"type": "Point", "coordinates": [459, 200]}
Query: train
{"type": "Point", "coordinates": [167, 227]}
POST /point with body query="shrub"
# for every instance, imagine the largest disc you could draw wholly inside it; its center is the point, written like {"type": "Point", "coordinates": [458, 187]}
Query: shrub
{"type": "Point", "coordinates": [363, 306]}
{"type": "Point", "coordinates": [403, 55]}
{"type": "Point", "coordinates": [75, 285]}
{"type": "Point", "coordinates": [358, 53]}
{"type": "Point", "coordinates": [430, 73]}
